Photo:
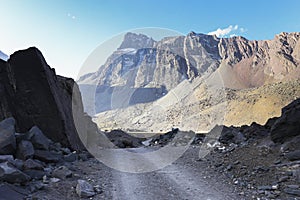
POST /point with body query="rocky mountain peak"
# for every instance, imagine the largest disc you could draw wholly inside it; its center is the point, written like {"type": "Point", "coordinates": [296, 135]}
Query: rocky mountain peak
{"type": "Point", "coordinates": [136, 41]}
{"type": "Point", "coordinates": [201, 35]}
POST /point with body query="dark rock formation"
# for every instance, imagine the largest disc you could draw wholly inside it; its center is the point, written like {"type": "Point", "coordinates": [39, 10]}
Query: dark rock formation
{"type": "Point", "coordinates": [230, 135]}
{"type": "Point", "coordinates": [122, 139]}
{"type": "Point", "coordinates": [164, 139]}
{"type": "Point", "coordinates": [25, 150]}
{"type": "Point", "coordinates": [11, 174]}
{"type": "Point", "coordinates": [47, 156]}
{"type": "Point", "coordinates": [32, 164]}
{"type": "Point", "coordinates": [10, 191]}
{"type": "Point", "coordinates": [287, 125]}
{"type": "Point", "coordinates": [294, 155]}
{"type": "Point", "coordinates": [7, 136]}
{"type": "Point", "coordinates": [62, 172]}
{"type": "Point", "coordinates": [33, 94]}
{"type": "Point", "coordinates": [38, 139]}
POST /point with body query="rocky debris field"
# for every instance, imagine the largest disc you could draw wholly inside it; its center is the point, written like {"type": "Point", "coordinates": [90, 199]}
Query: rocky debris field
{"type": "Point", "coordinates": [260, 168]}
{"type": "Point", "coordinates": [30, 162]}
{"type": "Point", "coordinates": [262, 161]}
{"type": "Point", "coordinates": [248, 162]}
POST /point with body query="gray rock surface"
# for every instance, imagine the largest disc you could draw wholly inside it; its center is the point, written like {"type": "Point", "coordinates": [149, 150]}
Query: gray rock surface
{"type": "Point", "coordinates": [47, 156]}
{"type": "Point", "coordinates": [4, 158]}
{"type": "Point", "coordinates": [294, 155]}
{"type": "Point", "coordinates": [295, 192]}
{"type": "Point", "coordinates": [11, 192]}
{"type": "Point", "coordinates": [32, 164]}
{"type": "Point", "coordinates": [62, 172]}
{"type": "Point", "coordinates": [11, 174]}
{"type": "Point", "coordinates": [84, 189]}
{"type": "Point", "coordinates": [19, 164]}
{"type": "Point", "coordinates": [38, 139]}
{"type": "Point", "coordinates": [287, 125]}
{"type": "Point", "coordinates": [229, 135]}
{"type": "Point", "coordinates": [35, 174]}
{"type": "Point", "coordinates": [7, 136]}
{"type": "Point", "coordinates": [25, 150]}
{"type": "Point", "coordinates": [71, 157]}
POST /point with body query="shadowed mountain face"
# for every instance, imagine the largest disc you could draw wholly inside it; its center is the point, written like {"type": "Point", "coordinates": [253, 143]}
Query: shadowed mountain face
{"type": "Point", "coordinates": [33, 94]}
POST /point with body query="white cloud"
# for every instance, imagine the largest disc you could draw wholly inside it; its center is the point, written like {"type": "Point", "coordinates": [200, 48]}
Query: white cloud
{"type": "Point", "coordinates": [243, 30]}
{"type": "Point", "coordinates": [224, 32]}
{"type": "Point", "coordinates": [71, 16]}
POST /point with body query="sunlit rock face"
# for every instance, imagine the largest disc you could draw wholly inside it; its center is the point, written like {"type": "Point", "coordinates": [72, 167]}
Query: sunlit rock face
{"type": "Point", "coordinates": [143, 71]}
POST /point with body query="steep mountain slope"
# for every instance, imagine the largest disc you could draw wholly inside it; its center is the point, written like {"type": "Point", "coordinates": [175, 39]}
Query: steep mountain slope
{"type": "Point", "coordinates": [191, 76]}
{"type": "Point", "coordinates": [259, 104]}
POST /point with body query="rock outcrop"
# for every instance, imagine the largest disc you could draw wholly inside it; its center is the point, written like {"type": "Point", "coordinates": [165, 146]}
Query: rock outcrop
{"type": "Point", "coordinates": [288, 124]}
{"type": "Point", "coordinates": [33, 94]}
{"type": "Point", "coordinates": [7, 136]}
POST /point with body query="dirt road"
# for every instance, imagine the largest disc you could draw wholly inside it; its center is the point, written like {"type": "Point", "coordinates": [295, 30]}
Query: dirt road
{"type": "Point", "coordinates": [186, 178]}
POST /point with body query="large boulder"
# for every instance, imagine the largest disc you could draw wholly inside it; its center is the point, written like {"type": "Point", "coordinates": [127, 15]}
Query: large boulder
{"type": "Point", "coordinates": [11, 174]}
{"type": "Point", "coordinates": [226, 135]}
{"type": "Point", "coordinates": [288, 124]}
{"type": "Point", "coordinates": [32, 164]}
{"type": "Point", "coordinates": [38, 139]}
{"type": "Point", "coordinates": [47, 156]}
{"type": "Point", "coordinates": [25, 150]}
{"type": "Point", "coordinates": [33, 94]}
{"type": "Point", "coordinates": [35, 174]}
{"type": "Point", "coordinates": [164, 139]}
{"type": "Point", "coordinates": [7, 136]}
{"type": "Point", "coordinates": [122, 139]}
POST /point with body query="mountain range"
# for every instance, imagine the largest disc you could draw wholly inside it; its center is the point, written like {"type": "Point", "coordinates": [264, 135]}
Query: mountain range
{"type": "Point", "coordinates": [193, 82]}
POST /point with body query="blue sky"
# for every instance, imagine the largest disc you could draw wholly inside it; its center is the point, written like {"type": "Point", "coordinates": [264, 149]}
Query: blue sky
{"type": "Point", "coordinates": [67, 31]}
